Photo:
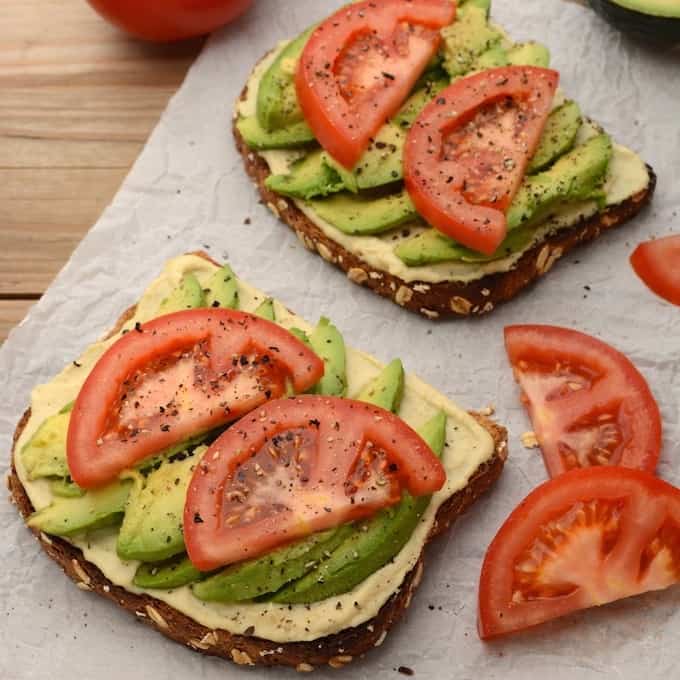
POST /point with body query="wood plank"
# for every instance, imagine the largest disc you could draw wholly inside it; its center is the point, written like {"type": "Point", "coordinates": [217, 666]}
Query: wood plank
{"type": "Point", "coordinates": [79, 98]}
{"type": "Point", "coordinates": [11, 313]}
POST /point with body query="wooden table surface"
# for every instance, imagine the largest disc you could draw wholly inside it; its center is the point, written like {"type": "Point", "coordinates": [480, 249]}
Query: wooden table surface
{"type": "Point", "coordinates": [78, 99]}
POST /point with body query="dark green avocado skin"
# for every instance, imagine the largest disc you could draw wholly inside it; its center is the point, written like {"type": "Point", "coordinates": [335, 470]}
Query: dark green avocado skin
{"type": "Point", "coordinates": [651, 29]}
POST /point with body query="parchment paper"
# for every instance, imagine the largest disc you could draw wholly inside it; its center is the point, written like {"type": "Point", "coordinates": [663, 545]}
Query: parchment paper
{"type": "Point", "coordinates": [188, 190]}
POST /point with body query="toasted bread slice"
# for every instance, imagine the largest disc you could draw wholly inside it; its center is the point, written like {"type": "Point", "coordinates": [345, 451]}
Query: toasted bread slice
{"type": "Point", "coordinates": [334, 650]}
{"type": "Point", "coordinates": [446, 298]}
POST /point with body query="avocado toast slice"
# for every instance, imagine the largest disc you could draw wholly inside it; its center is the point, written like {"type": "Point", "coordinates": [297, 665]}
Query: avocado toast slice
{"type": "Point", "coordinates": [244, 645]}
{"type": "Point", "coordinates": [363, 221]}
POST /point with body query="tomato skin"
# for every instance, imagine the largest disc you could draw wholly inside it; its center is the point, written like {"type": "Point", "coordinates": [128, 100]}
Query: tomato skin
{"type": "Point", "coordinates": [616, 388]}
{"type": "Point", "coordinates": [657, 263]}
{"type": "Point", "coordinates": [168, 20]}
{"type": "Point", "coordinates": [345, 128]}
{"type": "Point", "coordinates": [318, 498]}
{"type": "Point", "coordinates": [647, 505]}
{"type": "Point", "coordinates": [100, 443]}
{"type": "Point", "coordinates": [439, 186]}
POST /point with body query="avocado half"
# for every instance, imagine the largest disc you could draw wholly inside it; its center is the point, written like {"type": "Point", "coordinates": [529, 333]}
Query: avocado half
{"type": "Point", "coordinates": [655, 21]}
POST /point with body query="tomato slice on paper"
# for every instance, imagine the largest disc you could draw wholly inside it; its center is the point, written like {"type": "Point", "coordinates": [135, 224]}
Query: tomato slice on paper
{"type": "Point", "coordinates": [360, 65]}
{"type": "Point", "coordinates": [468, 150]}
{"type": "Point", "coordinates": [657, 263]}
{"type": "Point", "coordinates": [586, 538]}
{"type": "Point", "coordinates": [297, 466]}
{"type": "Point", "coordinates": [588, 404]}
{"type": "Point", "coordinates": [175, 377]}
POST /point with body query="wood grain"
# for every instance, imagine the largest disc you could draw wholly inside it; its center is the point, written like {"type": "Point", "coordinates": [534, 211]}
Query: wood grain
{"type": "Point", "coordinates": [78, 101]}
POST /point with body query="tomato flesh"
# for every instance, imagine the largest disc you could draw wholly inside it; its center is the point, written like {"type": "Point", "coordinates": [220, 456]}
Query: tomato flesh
{"type": "Point", "coordinates": [657, 263]}
{"type": "Point", "coordinates": [175, 377]}
{"type": "Point", "coordinates": [165, 20]}
{"type": "Point", "coordinates": [297, 466]}
{"type": "Point", "coordinates": [588, 404]}
{"type": "Point", "coordinates": [586, 538]}
{"type": "Point", "coordinates": [467, 152]}
{"type": "Point", "coordinates": [360, 65]}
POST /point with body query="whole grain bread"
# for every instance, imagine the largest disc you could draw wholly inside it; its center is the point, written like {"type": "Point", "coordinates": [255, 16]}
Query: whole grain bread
{"type": "Point", "coordinates": [445, 299]}
{"type": "Point", "coordinates": [336, 650]}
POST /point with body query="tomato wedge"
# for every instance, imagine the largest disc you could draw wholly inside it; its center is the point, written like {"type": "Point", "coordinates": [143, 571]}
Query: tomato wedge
{"type": "Point", "coordinates": [297, 466]}
{"type": "Point", "coordinates": [588, 404]}
{"type": "Point", "coordinates": [175, 377]}
{"type": "Point", "coordinates": [657, 263]}
{"type": "Point", "coordinates": [583, 539]}
{"type": "Point", "coordinates": [467, 151]}
{"type": "Point", "coordinates": [360, 65]}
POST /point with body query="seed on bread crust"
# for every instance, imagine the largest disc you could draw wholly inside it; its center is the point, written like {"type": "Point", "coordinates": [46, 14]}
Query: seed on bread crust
{"type": "Point", "coordinates": [357, 275]}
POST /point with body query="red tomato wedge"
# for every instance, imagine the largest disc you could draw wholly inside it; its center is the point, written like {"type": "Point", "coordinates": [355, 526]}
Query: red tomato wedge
{"type": "Point", "coordinates": [467, 151]}
{"type": "Point", "coordinates": [588, 404]}
{"type": "Point", "coordinates": [360, 65]}
{"type": "Point", "coordinates": [297, 466]}
{"type": "Point", "coordinates": [175, 377]}
{"type": "Point", "coordinates": [657, 263]}
{"type": "Point", "coordinates": [583, 539]}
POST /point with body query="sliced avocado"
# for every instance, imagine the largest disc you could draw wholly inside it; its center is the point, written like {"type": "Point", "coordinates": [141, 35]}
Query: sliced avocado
{"type": "Point", "coordinates": [300, 335]}
{"type": "Point", "coordinates": [387, 388]}
{"type": "Point", "coordinates": [382, 161]}
{"type": "Point", "coordinates": [494, 57]}
{"type": "Point", "coordinates": [267, 574]}
{"type": "Point", "coordinates": [558, 136]}
{"type": "Point", "coordinates": [176, 572]}
{"type": "Point", "coordinates": [65, 487]}
{"type": "Point", "coordinates": [187, 295]}
{"type": "Point", "coordinates": [529, 54]}
{"type": "Point", "coordinates": [222, 289]}
{"type": "Point", "coordinates": [44, 455]}
{"type": "Point", "coordinates": [326, 340]}
{"type": "Point", "coordinates": [573, 177]}
{"type": "Point", "coordinates": [431, 247]}
{"type": "Point", "coordinates": [481, 4]}
{"type": "Point", "coordinates": [277, 104]}
{"type": "Point", "coordinates": [256, 137]}
{"type": "Point", "coordinates": [371, 546]}
{"type": "Point", "coordinates": [265, 310]}
{"type": "Point", "coordinates": [420, 98]}
{"type": "Point", "coordinates": [152, 528]}
{"type": "Point", "coordinates": [365, 215]}
{"type": "Point", "coordinates": [308, 177]}
{"type": "Point", "coordinates": [467, 38]}
{"type": "Point", "coordinates": [95, 509]}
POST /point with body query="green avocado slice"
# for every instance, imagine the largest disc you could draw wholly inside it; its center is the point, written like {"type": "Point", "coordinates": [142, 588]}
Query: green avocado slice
{"type": "Point", "coordinates": [64, 487]}
{"type": "Point", "coordinates": [44, 455]}
{"type": "Point", "coordinates": [277, 104]}
{"type": "Point", "coordinates": [371, 546]}
{"type": "Point", "coordinates": [365, 215]}
{"type": "Point", "coordinates": [265, 310]}
{"type": "Point", "coordinates": [267, 574]}
{"type": "Point", "coordinates": [529, 54]}
{"type": "Point", "coordinates": [152, 528]}
{"type": "Point", "coordinates": [222, 289]}
{"type": "Point", "coordinates": [187, 295]}
{"type": "Point", "coordinates": [467, 38]}
{"type": "Point", "coordinates": [420, 99]}
{"type": "Point", "coordinates": [327, 341]}
{"type": "Point", "coordinates": [387, 388]}
{"type": "Point", "coordinates": [308, 177]}
{"type": "Point", "coordinates": [558, 136]}
{"type": "Point", "coordinates": [176, 572]}
{"type": "Point", "coordinates": [95, 509]}
{"type": "Point", "coordinates": [256, 137]}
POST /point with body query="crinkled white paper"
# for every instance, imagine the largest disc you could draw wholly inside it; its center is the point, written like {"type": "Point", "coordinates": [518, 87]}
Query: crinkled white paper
{"type": "Point", "coordinates": [188, 190]}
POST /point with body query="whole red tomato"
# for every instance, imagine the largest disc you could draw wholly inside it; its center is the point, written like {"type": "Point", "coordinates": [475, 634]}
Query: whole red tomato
{"type": "Point", "coordinates": [165, 20]}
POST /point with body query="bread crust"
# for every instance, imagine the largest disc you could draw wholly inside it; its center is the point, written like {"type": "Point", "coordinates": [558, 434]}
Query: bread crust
{"type": "Point", "coordinates": [336, 650]}
{"type": "Point", "coordinates": [446, 299]}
